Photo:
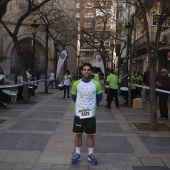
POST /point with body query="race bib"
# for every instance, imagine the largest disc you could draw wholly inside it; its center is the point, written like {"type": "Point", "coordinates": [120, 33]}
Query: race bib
{"type": "Point", "coordinates": [86, 113]}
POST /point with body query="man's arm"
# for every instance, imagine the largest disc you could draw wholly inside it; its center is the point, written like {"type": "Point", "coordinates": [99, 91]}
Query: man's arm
{"type": "Point", "coordinates": [73, 96]}
{"type": "Point", "coordinates": [99, 98]}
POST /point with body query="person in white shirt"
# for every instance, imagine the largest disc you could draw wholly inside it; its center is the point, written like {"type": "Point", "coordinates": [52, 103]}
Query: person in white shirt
{"type": "Point", "coordinates": [67, 82]}
{"type": "Point", "coordinates": [19, 80]}
{"type": "Point", "coordinates": [51, 79]}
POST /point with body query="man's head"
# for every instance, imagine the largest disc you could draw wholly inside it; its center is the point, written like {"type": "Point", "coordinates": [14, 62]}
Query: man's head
{"type": "Point", "coordinates": [68, 72]}
{"type": "Point", "coordinates": [147, 69]}
{"type": "Point", "coordinates": [111, 71]}
{"type": "Point", "coordinates": [86, 71]}
{"type": "Point", "coordinates": [29, 69]}
{"type": "Point", "coordinates": [164, 72]}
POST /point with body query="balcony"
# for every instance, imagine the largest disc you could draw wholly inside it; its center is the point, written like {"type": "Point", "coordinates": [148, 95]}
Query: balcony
{"type": "Point", "coordinates": [141, 43]}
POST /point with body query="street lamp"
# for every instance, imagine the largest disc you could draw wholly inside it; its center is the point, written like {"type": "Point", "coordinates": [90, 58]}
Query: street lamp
{"type": "Point", "coordinates": [112, 47]}
{"type": "Point", "coordinates": [78, 64]}
{"type": "Point", "coordinates": [128, 30]}
{"type": "Point", "coordinates": [34, 27]}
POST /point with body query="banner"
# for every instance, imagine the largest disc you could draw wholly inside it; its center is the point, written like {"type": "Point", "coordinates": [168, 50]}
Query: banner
{"type": "Point", "coordinates": [61, 60]}
{"type": "Point", "coordinates": [168, 56]}
{"type": "Point", "coordinates": [100, 62]}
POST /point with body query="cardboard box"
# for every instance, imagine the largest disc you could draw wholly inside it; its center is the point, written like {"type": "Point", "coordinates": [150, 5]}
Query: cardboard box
{"type": "Point", "coordinates": [137, 103]}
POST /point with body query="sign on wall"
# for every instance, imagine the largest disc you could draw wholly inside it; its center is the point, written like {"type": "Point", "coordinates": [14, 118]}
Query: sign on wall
{"type": "Point", "coordinates": [155, 20]}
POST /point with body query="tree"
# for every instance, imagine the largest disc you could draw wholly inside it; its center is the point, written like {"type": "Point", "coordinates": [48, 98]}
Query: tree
{"type": "Point", "coordinates": [28, 7]}
{"type": "Point", "coordinates": [98, 28]}
{"type": "Point", "coordinates": [57, 17]}
{"type": "Point", "coordinates": [152, 51]}
{"type": "Point", "coordinates": [3, 7]}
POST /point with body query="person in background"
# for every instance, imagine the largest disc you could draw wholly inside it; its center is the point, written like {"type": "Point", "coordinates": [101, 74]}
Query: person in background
{"type": "Point", "coordinates": [146, 83]}
{"type": "Point", "coordinates": [133, 87]}
{"type": "Point", "coordinates": [19, 80]}
{"type": "Point", "coordinates": [2, 77]}
{"type": "Point", "coordinates": [163, 84]}
{"type": "Point", "coordinates": [30, 78]}
{"type": "Point", "coordinates": [138, 80]}
{"type": "Point", "coordinates": [86, 94]}
{"type": "Point", "coordinates": [96, 77]}
{"type": "Point", "coordinates": [112, 81]}
{"type": "Point", "coordinates": [2, 82]}
{"type": "Point", "coordinates": [51, 78]}
{"type": "Point", "coordinates": [67, 81]}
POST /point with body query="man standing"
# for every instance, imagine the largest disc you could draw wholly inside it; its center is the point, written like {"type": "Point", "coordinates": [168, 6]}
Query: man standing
{"type": "Point", "coordinates": [112, 81]}
{"type": "Point", "coordinates": [86, 94]}
{"type": "Point", "coordinates": [164, 84]}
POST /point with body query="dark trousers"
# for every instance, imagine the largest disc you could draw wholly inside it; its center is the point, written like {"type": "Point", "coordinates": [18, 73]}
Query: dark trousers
{"type": "Point", "coordinates": [138, 91]}
{"type": "Point", "coordinates": [20, 92]}
{"type": "Point", "coordinates": [163, 104]}
{"type": "Point", "coordinates": [112, 93]}
{"type": "Point", "coordinates": [133, 95]}
{"type": "Point", "coordinates": [147, 95]}
{"type": "Point", "coordinates": [68, 89]}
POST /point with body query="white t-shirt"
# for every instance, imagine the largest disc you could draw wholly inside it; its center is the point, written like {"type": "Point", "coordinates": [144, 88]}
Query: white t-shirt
{"type": "Point", "coordinates": [67, 80]}
{"type": "Point", "coordinates": [29, 76]}
{"type": "Point", "coordinates": [1, 76]}
{"type": "Point", "coordinates": [51, 76]}
{"type": "Point", "coordinates": [85, 105]}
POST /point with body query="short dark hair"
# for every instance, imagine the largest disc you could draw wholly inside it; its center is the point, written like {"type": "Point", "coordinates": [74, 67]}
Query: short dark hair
{"type": "Point", "coordinates": [68, 71]}
{"type": "Point", "coordinates": [87, 64]}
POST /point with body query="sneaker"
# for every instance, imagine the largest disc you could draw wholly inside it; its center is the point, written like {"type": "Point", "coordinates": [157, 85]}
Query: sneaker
{"type": "Point", "coordinates": [76, 159]}
{"type": "Point", "coordinates": [92, 159]}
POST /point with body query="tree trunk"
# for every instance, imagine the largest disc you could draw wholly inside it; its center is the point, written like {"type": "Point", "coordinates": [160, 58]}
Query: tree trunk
{"type": "Point", "coordinates": [21, 61]}
{"type": "Point", "coordinates": [46, 66]}
{"type": "Point", "coordinates": [153, 115]}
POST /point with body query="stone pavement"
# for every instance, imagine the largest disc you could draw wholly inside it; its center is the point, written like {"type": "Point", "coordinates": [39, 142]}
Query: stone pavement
{"type": "Point", "coordinates": [38, 136]}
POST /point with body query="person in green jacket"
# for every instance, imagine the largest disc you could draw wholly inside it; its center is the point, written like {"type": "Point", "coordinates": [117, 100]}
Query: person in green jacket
{"type": "Point", "coordinates": [112, 81]}
{"type": "Point", "coordinates": [96, 77]}
{"type": "Point", "coordinates": [133, 87]}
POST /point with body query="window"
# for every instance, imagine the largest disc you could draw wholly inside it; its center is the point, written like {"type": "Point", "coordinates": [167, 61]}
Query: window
{"type": "Point", "coordinates": [107, 43]}
{"type": "Point", "coordinates": [120, 14]}
{"type": "Point", "coordinates": [89, 5]}
{"type": "Point", "coordinates": [103, 12]}
{"type": "Point", "coordinates": [85, 44]}
{"type": "Point", "coordinates": [88, 15]}
{"type": "Point", "coordinates": [89, 53]}
{"type": "Point", "coordinates": [78, 5]}
{"type": "Point", "coordinates": [87, 25]}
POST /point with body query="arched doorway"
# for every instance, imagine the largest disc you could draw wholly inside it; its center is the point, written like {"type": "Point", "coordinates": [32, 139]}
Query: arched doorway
{"type": "Point", "coordinates": [27, 55]}
{"type": "Point", "coordinates": [28, 59]}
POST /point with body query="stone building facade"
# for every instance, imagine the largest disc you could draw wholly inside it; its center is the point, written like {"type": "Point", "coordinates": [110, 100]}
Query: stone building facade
{"type": "Point", "coordinates": [8, 55]}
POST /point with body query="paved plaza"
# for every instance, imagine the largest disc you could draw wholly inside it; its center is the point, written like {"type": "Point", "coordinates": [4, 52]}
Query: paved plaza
{"type": "Point", "coordinates": [38, 136]}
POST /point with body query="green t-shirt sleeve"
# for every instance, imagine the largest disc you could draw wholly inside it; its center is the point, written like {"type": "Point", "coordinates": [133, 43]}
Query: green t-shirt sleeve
{"type": "Point", "coordinates": [98, 87]}
{"type": "Point", "coordinates": [74, 87]}
{"type": "Point", "coordinates": [107, 78]}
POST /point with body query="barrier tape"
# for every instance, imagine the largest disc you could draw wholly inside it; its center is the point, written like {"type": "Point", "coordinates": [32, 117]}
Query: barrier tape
{"type": "Point", "coordinates": [146, 87]}
{"type": "Point", "coordinates": [29, 83]}
{"type": "Point", "coordinates": [123, 76]}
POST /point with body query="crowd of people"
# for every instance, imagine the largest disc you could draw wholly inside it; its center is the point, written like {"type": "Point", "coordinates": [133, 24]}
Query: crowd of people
{"type": "Point", "coordinates": [86, 94]}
